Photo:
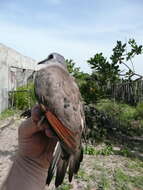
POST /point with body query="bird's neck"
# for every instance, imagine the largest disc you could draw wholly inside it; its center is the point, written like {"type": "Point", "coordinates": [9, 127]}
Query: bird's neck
{"type": "Point", "coordinates": [56, 64]}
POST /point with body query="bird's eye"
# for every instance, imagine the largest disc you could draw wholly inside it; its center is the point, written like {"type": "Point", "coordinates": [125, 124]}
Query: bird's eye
{"type": "Point", "coordinates": [50, 57]}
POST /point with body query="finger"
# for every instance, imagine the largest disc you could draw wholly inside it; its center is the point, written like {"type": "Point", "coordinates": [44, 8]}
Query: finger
{"type": "Point", "coordinates": [49, 133]}
{"type": "Point", "coordinates": [36, 113]}
{"type": "Point", "coordinates": [29, 128]}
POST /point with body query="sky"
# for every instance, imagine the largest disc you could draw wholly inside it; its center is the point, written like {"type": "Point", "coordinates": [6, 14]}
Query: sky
{"type": "Point", "coordinates": [77, 29]}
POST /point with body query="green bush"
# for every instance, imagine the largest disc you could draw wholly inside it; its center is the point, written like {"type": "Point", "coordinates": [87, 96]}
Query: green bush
{"type": "Point", "coordinates": [24, 97]}
{"type": "Point", "coordinates": [127, 119]}
{"type": "Point", "coordinates": [127, 112]}
{"type": "Point", "coordinates": [90, 150]}
{"type": "Point", "coordinates": [106, 151]}
{"type": "Point", "coordinates": [108, 106]}
{"type": "Point", "coordinates": [127, 115]}
{"type": "Point", "coordinates": [139, 109]}
{"type": "Point", "coordinates": [118, 110]}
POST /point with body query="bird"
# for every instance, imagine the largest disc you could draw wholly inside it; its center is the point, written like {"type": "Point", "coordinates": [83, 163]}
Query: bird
{"type": "Point", "coordinates": [60, 100]}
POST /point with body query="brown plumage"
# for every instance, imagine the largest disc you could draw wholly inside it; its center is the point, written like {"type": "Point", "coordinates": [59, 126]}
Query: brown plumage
{"type": "Point", "coordinates": [60, 99]}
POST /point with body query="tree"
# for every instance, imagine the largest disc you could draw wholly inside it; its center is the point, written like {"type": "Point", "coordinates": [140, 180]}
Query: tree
{"type": "Point", "coordinates": [83, 80]}
{"type": "Point", "coordinates": [110, 71]}
{"type": "Point", "coordinates": [106, 73]}
{"type": "Point", "coordinates": [103, 71]}
{"type": "Point", "coordinates": [122, 56]}
{"type": "Point", "coordinates": [75, 71]}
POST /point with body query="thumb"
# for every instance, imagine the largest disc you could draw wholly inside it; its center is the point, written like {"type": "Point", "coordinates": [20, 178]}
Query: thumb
{"type": "Point", "coordinates": [28, 128]}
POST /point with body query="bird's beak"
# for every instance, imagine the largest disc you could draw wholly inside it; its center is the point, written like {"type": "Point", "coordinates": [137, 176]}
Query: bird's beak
{"type": "Point", "coordinates": [43, 61]}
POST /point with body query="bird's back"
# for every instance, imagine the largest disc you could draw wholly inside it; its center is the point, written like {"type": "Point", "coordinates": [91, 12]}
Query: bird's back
{"type": "Point", "coordinates": [56, 89]}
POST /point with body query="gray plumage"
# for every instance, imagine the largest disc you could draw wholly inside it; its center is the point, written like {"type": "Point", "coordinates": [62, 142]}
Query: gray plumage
{"type": "Point", "coordinates": [57, 90]}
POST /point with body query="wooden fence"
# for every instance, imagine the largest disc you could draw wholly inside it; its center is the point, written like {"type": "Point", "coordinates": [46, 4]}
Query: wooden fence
{"type": "Point", "coordinates": [130, 92]}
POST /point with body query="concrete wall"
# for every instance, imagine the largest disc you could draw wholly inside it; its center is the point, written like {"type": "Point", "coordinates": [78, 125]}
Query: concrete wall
{"type": "Point", "coordinates": [15, 69]}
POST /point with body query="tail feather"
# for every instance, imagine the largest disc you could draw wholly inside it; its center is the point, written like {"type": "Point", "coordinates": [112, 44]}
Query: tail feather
{"type": "Point", "coordinates": [61, 163]}
{"type": "Point", "coordinates": [52, 168]}
{"type": "Point", "coordinates": [61, 171]}
{"type": "Point", "coordinates": [75, 163]}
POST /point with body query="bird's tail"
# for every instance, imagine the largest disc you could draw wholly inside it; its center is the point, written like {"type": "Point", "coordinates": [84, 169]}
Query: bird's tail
{"type": "Point", "coordinates": [56, 158]}
{"type": "Point", "coordinates": [74, 163]}
{"type": "Point", "coordinates": [61, 171]}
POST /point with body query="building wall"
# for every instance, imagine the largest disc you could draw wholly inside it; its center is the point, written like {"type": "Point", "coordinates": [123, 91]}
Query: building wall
{"type": "Point", "coordinates": [15, 69]}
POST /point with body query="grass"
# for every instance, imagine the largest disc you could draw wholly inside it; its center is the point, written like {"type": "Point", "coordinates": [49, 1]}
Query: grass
{"type": "Point", "coordinates": [65, 186]}
{"type": "Point", "coordinates": [107, 172]}
{"type": "Point", "coordinates": [125, 152]}
{"type": "Point", "coordinates": [8, 113]}
{"type": "Point", "coordinates": [82, 175]}
{"type": "Point", "coordinates": [102, 177]}
{"type": "Point", "coordinates": [124, 181]}
{"type": "Point", "coordinates": [107, 150]}
{"type": "Point", "coordinates": [126, 176]}
{"type": "Point", "coordinates": [136, 164]}
{"type": "Point", "coordinates": [104, 182]}
{"type": "Point", "coordinates": [120, 111]}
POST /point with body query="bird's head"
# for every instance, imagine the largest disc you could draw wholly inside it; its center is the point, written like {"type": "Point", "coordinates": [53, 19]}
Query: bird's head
{"type": "Point", "coordinates": [54, 58]}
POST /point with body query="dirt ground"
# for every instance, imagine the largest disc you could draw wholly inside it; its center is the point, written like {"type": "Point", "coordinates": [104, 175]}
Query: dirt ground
{"type": "Point", "coordinates": [98, 172]}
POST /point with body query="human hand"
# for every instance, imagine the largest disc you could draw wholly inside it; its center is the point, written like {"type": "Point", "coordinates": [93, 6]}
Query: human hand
{"type": "Point", "coordinates": [36, 142]}
{"type": "Point", "coordinates": [36, 145]}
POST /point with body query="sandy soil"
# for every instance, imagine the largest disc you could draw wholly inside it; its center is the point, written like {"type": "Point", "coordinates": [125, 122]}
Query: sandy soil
{"type": "Point", "coordinates": [8, 144]}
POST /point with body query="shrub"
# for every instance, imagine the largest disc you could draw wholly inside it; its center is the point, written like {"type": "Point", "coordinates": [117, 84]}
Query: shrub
{"type": "Point", "coordinates": [109, 117]}
{"type": "Point", "coordinates": [121, 112]}
{"type": "Point", "coordinates": [139, 109]}
{"type": "Point", "coordinates": [108, 106]}
{"type": "Point", "coordinates": [24, 97]}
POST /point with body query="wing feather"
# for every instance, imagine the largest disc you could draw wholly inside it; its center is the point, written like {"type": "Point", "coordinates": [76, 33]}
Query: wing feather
{"type": "Point", "coordinates": [65, 134]}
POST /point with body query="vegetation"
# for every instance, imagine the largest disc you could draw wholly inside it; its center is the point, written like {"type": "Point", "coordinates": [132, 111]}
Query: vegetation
{"type": "Point", "coordinates": [7, 113]}
{"type": "Point", "coordinates": [107, 73]}
{"type": "Point", "coordinates": [91, 150]}
{"type": "Point", "coordinates": [24, 97]}
{"type": "Point", "coordinates": [128, 117]}
{"type": "Point", "coordinates": [65, 186]}
{"type": "Point", "coordinates": [83, 80]}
